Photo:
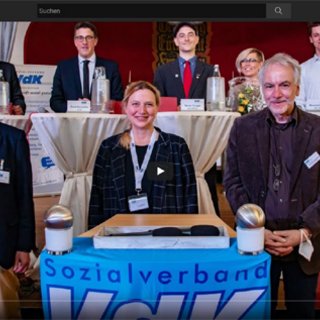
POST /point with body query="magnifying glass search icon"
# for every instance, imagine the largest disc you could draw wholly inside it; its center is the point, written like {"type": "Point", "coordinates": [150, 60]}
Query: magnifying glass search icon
{"type": "Point", "coordinates": [278, 10]}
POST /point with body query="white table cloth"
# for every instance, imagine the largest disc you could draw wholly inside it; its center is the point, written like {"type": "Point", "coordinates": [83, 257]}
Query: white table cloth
{"type": "Point", "coordinates": [206, 134]}
{"type": "Point", "coordinates": [20, 122]}
{"type": "Point", "coordinates": [72, 141]}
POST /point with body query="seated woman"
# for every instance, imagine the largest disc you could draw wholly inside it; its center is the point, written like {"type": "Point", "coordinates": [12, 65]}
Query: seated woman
{"type": "Point", "coordinates": [244, 93]}
{"type": "Point", "coordinates": [121, 180]}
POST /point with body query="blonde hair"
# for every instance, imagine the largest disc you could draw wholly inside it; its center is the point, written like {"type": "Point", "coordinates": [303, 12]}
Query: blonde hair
{"type": "Point", "coordinates": [130, 90]}
{"type": "Point", "coordinates": [244, 53]}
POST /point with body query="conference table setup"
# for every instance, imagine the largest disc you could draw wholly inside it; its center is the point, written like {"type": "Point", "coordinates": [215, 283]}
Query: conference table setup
{"type": "Point", "coordinates": [155, 283]}
{"type": "Point", "coordinates": [72, 141]}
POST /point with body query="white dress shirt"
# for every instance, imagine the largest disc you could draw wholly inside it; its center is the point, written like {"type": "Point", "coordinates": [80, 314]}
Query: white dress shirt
{"type": "Point", "coordinates": [310, 82]}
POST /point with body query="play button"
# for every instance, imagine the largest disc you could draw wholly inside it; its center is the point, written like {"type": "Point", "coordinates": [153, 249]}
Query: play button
{"type": "Point", "coordinates": [159, 171]}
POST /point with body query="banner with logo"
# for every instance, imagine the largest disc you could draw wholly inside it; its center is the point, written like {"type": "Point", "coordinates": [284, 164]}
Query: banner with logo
{"type": "Point", "coordinates": [154, 284]}
{"type": "Point", "coordinates": [36, 85]}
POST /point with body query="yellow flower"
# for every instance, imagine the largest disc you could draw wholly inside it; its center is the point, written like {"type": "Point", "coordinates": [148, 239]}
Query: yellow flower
{"type": "Point", "coordinates": [241, 95]}
{"type": "Point", "coordinates": [245, 102]}
{"type": "Point", "coordinates": [241, 109]}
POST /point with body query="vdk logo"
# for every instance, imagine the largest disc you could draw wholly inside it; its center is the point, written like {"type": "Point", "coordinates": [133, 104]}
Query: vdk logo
{"type": "Point", "coordinates": [30, 79]}
{"type": "Point", "coordinates": [94, 305]}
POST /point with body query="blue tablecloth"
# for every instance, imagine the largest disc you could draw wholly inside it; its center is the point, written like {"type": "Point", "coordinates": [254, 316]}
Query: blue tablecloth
{"type": "Point", "coordinates": [155, 284]}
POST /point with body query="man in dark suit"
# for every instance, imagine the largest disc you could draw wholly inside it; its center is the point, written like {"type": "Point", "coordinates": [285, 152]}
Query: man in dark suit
{"type": "Point", "coordinates": [69, 79]}
{"type": "Point", "coordinates": [9, 74]}
{"type": "Point", "coordinates": [169, 77]}
{"type": "Point", "coordinates": [273, 161]}
{"type": "Point", "coordinates": [17, 222]}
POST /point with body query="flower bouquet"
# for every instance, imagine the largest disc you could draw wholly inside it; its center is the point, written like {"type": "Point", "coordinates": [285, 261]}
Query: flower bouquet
{"type": "Point", "coordinates": [245, 95]}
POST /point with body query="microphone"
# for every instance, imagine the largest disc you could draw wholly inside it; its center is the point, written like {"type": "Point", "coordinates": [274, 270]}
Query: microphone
{"type": "Point", "coordinates": [167, 232]}
{"type": "Point", "coordinates": [204, 230]}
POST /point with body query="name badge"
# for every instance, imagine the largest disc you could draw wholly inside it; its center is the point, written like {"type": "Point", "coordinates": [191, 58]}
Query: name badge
{"type": "Point", "coordinates": [138, 202]}
{"type": "Point", "coordinates": [78, 106]}
{"type": "Point", "coordinates": [192, 104]}
{"type": "Point", "coordinates": [313, 105]}
{"type": "Point", "coordinates": [4, 176]}
{"type": "Point", "coordinates": [312, 160]}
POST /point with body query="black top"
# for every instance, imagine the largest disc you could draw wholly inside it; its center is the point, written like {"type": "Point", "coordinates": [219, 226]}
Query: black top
{"type": "Point", "coordinates": [146, 183]}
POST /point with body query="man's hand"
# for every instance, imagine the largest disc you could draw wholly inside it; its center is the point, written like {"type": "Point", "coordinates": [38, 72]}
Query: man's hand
{"type": "Point", "coordinates": [16, 110]}
{"type": "Point", "coordinates": [281, 242]}
{"type": "Point", "coordinates": [21, 262]}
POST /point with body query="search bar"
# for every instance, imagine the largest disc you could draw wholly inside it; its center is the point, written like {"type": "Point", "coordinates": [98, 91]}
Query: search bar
{"type": "Point", "coordinates": [279, 11]}
{"type": "Point", "coordinates": [148, 11]}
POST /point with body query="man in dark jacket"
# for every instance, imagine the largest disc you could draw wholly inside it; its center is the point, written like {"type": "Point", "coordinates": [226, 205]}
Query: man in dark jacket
{"type": "Point", "coordinates": [273, 161]}
{"type": "Point", "coordinates": [9, 74]}
{"type": "Point", "coordinates": [169, 78]}
{"type": "Point", "coordinates": [68, 81]}
{"type": "Point", "coordinates": [17, 222]}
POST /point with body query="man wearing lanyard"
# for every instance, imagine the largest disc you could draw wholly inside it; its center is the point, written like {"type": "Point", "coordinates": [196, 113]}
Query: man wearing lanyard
{"type": "Point", "coordinates": [273, 160]}
{"type": "Point", "coordinates": [175, 80]}
{"type": "Point", "coordinates": [73, 77]}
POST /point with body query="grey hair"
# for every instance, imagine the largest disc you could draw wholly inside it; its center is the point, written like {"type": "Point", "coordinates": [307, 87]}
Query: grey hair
{"type": "Point", "coordinates": [285, 60]}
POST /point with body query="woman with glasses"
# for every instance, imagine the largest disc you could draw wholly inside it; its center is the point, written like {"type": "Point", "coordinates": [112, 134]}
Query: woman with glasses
{"type": "Point", "coordinates": [126, 173]}
{"type": "Point", "coordinates": [244, 94]}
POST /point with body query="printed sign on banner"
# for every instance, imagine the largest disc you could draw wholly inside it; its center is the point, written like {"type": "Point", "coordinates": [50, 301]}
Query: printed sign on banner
{"type": "Point", "coordinates": [153, 284]}
{"type": "Point", "coordinates": [36, 85]}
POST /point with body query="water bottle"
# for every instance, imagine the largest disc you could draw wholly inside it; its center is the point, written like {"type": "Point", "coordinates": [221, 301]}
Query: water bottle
{"type": "Point", "coordinates": [216, 99]}
{"type": "Point", "coordinates": [4, 94]}
{"type": "Point", "coordinates": [216, 71]}
{"type": "Point", "coordinates": [100, 91]}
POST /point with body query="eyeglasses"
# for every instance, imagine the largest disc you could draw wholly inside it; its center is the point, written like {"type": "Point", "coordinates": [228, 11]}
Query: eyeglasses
{"type": "Point", "coordinates": [82, 38]}
{"type": "Point", "coordinates": [276, 181]}
{"type": "Point", "coordinates": [251, 60]}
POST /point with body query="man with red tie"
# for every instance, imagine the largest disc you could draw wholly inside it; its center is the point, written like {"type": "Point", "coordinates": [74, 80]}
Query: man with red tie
{"type": "Point", "coordinates": [186, 78]}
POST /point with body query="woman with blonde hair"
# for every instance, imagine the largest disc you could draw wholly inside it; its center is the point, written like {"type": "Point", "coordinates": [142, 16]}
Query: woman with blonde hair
{"type": "Point", "coordinates": [122, 182]}
{"type": "Point", "coordinates": [245, 95]}
{"type": "Point", "coordinates": [249, 62]}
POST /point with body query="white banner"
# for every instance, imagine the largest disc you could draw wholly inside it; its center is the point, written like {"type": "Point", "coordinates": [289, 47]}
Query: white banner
{"type": "Point", "coordinates": [36, 84]}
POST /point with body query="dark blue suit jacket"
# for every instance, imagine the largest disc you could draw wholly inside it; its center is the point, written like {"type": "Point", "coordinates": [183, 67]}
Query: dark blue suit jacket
{"type": "Point", "coordinates": [108, 193]}
{"type": "Point", "coordinates": [17, 222]}
{"type": "Point", "coordinates": [67, 83]}
{"type": "Point", "coordinates": [168, 80]}
{"type": "Point", "coordinates": [10, 75]}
